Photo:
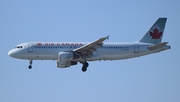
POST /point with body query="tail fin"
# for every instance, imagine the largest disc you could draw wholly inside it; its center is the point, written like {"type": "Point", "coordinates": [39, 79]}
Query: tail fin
{"type": "Point", "coordinates": [155, 33]}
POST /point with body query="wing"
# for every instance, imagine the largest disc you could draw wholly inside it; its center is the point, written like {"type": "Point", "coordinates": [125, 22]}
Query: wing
{"type": "Point", "coordinates": [88, 49]}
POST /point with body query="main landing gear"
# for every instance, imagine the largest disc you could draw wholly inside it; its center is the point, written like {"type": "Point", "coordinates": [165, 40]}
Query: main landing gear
{"type": "Point", "coordinates": [30, 66]}
{"type": "Point", "coordinates": [84, 67]}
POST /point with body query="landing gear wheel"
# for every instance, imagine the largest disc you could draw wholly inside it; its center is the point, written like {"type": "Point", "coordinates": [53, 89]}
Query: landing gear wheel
{"type": "Point", "coordinates": [87, 64]}
{"type": "Point", "coordinates": [29, 66]}
{"type": "Point", "coordinates": [84, 67]}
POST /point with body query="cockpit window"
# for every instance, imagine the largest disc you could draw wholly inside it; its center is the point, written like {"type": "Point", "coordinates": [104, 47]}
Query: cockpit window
{"type": "Point", "coordinates": [19, 47]}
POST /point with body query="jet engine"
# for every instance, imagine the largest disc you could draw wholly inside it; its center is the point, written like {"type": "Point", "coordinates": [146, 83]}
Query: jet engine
{"type": "Point", "coordinates": [65, 64]}
{"type": "Point", "coordinates": [67, 56]}
{"type": "Point", "coordinates": [65, 59]}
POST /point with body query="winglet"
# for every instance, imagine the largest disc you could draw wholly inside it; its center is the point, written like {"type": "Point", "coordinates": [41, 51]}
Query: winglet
{"type": "Point", "coordinates": [107, 37]}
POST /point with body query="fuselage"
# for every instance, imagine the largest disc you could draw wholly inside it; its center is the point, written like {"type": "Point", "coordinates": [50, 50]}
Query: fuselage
{"type": "Point", "coordinates": [67, 54]}
{"type": "Point", "coordinates": [108, 51]}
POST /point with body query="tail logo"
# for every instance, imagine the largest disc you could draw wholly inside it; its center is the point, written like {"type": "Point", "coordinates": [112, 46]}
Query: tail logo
{"type": "Point", "coordinates": [155, 34]}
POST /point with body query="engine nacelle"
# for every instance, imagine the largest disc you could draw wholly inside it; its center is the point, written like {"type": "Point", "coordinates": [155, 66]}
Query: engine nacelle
{"type": "Point", "coordinates": [65, 64]}
{"type": "Point", "coordinates": [67, 56]}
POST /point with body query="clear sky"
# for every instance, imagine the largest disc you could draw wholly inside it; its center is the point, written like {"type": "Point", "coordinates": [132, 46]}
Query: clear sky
{"type": "Point", "coordinates": [152, 78]}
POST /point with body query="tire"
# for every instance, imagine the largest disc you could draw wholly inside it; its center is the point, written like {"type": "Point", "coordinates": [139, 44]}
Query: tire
{"type": "Point", "coordinates": [29, 66]}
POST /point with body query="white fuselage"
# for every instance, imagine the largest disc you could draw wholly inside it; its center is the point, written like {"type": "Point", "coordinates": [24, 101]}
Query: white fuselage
{"type": "Point", "coordinates": [108, 51]}
{"type": "Point", "coordinates": [67, 54]}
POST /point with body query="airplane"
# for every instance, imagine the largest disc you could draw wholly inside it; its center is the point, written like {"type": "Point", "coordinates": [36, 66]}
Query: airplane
{"type": "Point", "coordinates": [67, 54]}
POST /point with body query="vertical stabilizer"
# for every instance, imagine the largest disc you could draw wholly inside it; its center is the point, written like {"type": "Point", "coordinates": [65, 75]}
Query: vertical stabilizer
{"type": "Point", "coordinates": [155, 33]}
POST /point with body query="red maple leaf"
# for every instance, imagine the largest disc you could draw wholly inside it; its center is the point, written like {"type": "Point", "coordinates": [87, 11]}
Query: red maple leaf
{"type": "Point", "coordinates": [155, 34]}
{"type": "Point", "coordinates": [39, 44]}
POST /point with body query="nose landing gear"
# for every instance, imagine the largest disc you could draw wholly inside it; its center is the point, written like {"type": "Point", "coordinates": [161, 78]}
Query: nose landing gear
{"type": "Point", "coordinates": [30, 66]}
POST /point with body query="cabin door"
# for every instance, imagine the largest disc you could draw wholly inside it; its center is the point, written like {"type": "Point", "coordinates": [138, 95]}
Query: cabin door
{"type": "Point", "coordinates": [30, 47]}
{"type": "Point", "coordinates": [136, 48]}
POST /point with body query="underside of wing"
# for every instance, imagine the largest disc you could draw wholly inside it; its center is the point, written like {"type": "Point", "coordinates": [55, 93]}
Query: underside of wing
{"type": "Point", "coordinates": [88, 49]}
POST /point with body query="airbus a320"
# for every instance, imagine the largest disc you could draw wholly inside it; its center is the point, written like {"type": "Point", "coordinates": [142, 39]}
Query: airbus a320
{"type": "Point", "coordinates": [67, 54]}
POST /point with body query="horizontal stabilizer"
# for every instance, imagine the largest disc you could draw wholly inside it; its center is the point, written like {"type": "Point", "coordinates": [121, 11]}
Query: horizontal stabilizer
{"type": "Point", "coordinates": [157, 46]}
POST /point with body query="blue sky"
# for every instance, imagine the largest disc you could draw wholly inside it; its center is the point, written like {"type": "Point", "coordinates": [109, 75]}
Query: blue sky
{"type": "Point", "coordinates": [152, 78]}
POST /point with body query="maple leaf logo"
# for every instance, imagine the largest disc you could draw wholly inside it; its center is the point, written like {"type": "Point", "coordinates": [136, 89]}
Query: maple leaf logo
{"type": "Point", "coordinates": [155, 34]}
{"type": "Point", "coordinates": [39, 44]}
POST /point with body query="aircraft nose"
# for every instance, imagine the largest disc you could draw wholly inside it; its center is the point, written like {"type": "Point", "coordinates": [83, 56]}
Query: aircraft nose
{"type": "Point", "coordinates": [10, 53]}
